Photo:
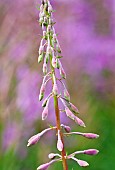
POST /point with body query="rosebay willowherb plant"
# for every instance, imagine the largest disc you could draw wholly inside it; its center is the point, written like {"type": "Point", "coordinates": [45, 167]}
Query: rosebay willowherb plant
{"type": "Point", "coordinates": [50, 54]}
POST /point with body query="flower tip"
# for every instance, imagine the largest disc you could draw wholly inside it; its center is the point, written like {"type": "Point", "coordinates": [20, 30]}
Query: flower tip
{"type": "Point", "coordinates": [33, 140]}
{"type": "Point", "coordinates": [59, 142]}
{"type": "Point", "coordinates": [91, 152]}
{"type": "Point", "coordinates": [82, 163]}
{"type": "Point", "coordinates": [90, 135]}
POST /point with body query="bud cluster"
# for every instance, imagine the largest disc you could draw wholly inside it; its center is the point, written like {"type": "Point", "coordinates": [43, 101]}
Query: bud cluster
{"type": "Point", "coordinates": [50, 53]}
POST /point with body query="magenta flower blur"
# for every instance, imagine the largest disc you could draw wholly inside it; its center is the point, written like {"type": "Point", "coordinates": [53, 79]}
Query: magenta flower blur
{"type": "Point", "coordinates": [50, 53]}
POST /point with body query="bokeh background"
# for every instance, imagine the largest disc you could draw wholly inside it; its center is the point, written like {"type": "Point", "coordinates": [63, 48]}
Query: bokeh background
{"type": "Point", "coordinates": [86, 31]}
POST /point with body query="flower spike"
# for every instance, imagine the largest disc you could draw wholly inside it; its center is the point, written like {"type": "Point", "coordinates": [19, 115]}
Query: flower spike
{"type": "Point", "coordinates": [50, 53]}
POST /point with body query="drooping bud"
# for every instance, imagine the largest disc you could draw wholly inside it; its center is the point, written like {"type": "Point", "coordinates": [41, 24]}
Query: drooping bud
{"type": "Point", "coordinates": [51, 155]}
{"type": "Point", "coordinates": [58, 47]}
{"type": "Point", "coordinates": [45, 68]}
{"type": "Point", "coordinates": [67, 128]}
{"type": "Point", "coordinates": [41, 50]}
{"type": "Point", "coordinates": [46, 100]}
{"type": "Point", "coordinates": [42, 90]}
{"type": "Point", "coordinates": [59, 142]}
{"type": "Point", "coordinates": [40, 58]}
{"type": "Point", "coordinates": [57, 64]}
{"type": "Point", "coordinates": [44, 34]}
{"type": "Point", "coordinates": [49, 28]}
{"type": "Point", "coordinates": [66, 94]}
{"type": "Point", "coordinates": [50, 9]}
{"type": "Point", "coordinates": [45, 166]}
{"type": "Point", "coordinates": [79, 121]}
{"type": "Point", "coordinates": [45, 112]}
{"type": "Point", "coordinates": [90, 135]}
{"type": "Point", "coordinates": [80, 162]}
{"type": "Point", "coordinates": [54, 38]}
{"type": "Point", "coordinates": [54, 61]}
{"type": "Point", "coordinates": [62, 73]}
{"type": "Point", "coordinates": [47, 57]}
{"type": "Point", "coordinates": [91, 152]}
{"type": "Point", "coordinates": [49, 49]}
{"type": "Point", "coordinates": [74, 108]}
{"type": "Point", "coordinates": [69, 113]}
{"type": "Point", "coordinates": [33, 140]}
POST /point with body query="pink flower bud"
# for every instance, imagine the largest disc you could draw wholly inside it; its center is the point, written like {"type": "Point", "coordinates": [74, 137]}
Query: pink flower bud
{"type": "Point", "coordinates": [52, 155]}
{"type": "Point", "coordinates": [57, 64]}
{"type": "Point", "coordinates": [40, 58]}
{"type": "Point", "coordinates": [45, 166]}
{"type": "Point", "coordinates": [50, 9]}
{"type": "Point", "coordinates": [54, 62]}
{"type": "Point", "coordinates": [69, 113]}
{"type": "Point", "coordinates": [62, 73]}
{"type": "Point", "coordinates": [79, 121]}
{"type": "Point", "coordinates": [91, 152]}
{"type": "Point", "coordinates": [42, 90]}
{"type": "Point", "coordinates": [41, 8]}
{"type": "Point", "coordinates": [45, 112]}
{"type": "Point", "coordinates": [41, 50]}
{"type": "Point", "coordinates": [90, 135]}
{"type": "Point", "coordinates": [54, 38]}
{"type": "Point", "coordinates": [55, 89]}
{"type": "Point", "coordinates": [44, 33]}
{"type": "Point", "coordinates": [45, 68]}
{"type": "Point", "coordinates": [67, 128]}
{"type": "Point", "coordinates": [58, 47]}
{"type": "Point", "coordinates": [66, 94]}
{"type": "Point", "coordinates": [74, 108]}
{"type": "Point", "coordinates": [49, 49]}
{"type": "Point", "coordinates": [49, 28]}
{"type": "Point", "coordinates": [33, 140]}
{"type": "Point", "coordinates": [44, 102]}
{"type": "Point", "coordinates": [59, 142]}
{"type": "Point", "coordinates": [82, 163]}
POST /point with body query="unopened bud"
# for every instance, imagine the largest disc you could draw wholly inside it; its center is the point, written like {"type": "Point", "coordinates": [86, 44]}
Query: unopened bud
{"type": "Point", "coordinates": [49, 50]}
{"type": "Point", "coordinates": [69, 113]}
{"type": "Point", "coordinates": [54, 62]}
{"type": "Point", "coordinates": [51, 156]}
{"type": "Point", "coordinates": [57, 64]}
{"type": "Point", "coordinates": [41, 50]}
{"type": "Point", "coordinates": [50, 9]}
{"type": "Point", "coordinates": [40, 58]}
{"type": "Point", "coordinates": [45, 68]}
{"type": "Point", "coordinates": [59, 142]}
{"type": "Point", "coordinates": [49, 28]}
{"type": "Point", "coordinates": [47, 58]}
{"type": "Point", "coordinates": [74, 108]}
{"type": "Point", "coordinates": [82, 163]}
{"type": "Point", "coordinates": [58, 48]}
{"type": "Point", "coordinates": [42, 90]}
{"type": "Point", "coordinates": [90, 135]}
{"type": "Point", "coordinates": [67, 128]}
{"type": "Point", "coordinates": [54, 38]}
{"type": "Point", "coordinates": [33, 140]}
{"type": "Point", "coordinates": [45, 166]}
{"type": "Point", "coordinates": [79, 121]}
{"type": "Point", "coordinates": [62, 73]}
{"type": "Point", "coordinates": [44, 33]}
{"type": "Point", "coordinates": [66, 94]}
{"type": "Point", "coordinates": [91, 152]}
{"type": "Point", "coordinates": [45, 113]}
